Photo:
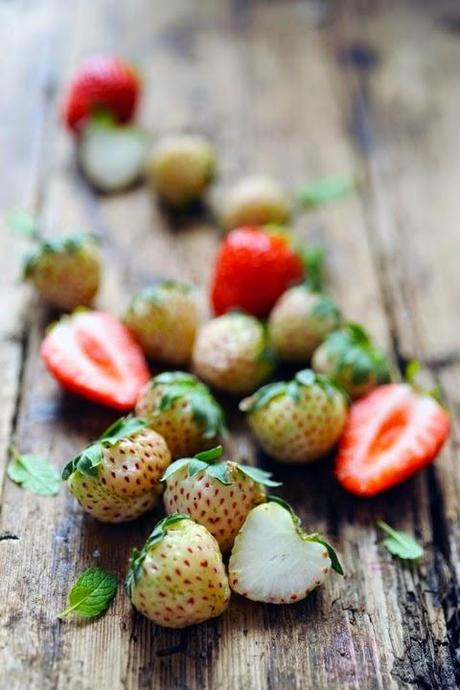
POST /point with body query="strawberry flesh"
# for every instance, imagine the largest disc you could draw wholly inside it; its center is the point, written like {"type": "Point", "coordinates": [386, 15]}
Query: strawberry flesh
{"type": "Point", "coordinates": [390, 434]}
{"type": "Point", "coordinates": [92, 354]}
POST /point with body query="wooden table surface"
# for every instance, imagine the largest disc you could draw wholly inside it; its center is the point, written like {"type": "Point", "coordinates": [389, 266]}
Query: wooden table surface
{"type": "Point", "coordinates": [299, 90]}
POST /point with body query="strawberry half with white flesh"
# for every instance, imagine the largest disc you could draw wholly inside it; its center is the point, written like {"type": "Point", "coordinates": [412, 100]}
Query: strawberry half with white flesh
{"type": "Point", "coordinates": [390, 434]}
{"type": "Point", "coordinates": [273, 560]}
{"type": "Point", "coordinates": [178, 577]}
{"type": "Point", "coordinates": [218, 495]}
{"type": "Point", "coordinates": [92, 354]}
{"type": "Point", "coordinates": [117, 478]}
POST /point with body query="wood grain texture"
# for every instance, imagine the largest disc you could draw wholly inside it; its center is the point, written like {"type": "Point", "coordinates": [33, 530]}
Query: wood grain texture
{"type": "Point", "coordinates": [299, 90]}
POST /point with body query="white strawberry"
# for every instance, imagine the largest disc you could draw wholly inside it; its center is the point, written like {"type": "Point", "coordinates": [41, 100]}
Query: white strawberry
{"type": "Point", "coordinates": [178, 577]}
{"type": "Point", "coordinates": [300, 420]}
{"type": "Point", "coordinates": [117, 478]}
{"type": "Point", "coordinates": [217, 495]}
{"type": "Point", "coordinates": [274, 561]}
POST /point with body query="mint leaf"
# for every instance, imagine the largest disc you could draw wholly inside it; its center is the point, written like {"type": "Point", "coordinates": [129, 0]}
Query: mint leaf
{"type": "Point", "coordinates": [24, 224]}
{"type": "Point", "coordinates": [34, 474]}
{"type": "Point", "coordinates": [400, 544]}
{"type": "Point", "coordinates": [325, 190]}
{"type": "Point", "coordinates": [91, 594]}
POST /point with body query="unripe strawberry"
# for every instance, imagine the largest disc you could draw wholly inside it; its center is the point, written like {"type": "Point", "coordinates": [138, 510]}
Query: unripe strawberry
{"type": "Point", "coordinates": [183, 410]}
{"type": "Point", "coordinates": [178, 577]}
{"type": "Point", "coordinates": [232, 353]}
{"type": "Point", "coordinates": [297, 421]}
{"type": "Point", "coordinates": [218, 495]}
{"type": "Point", "coordinates": [255, 200]}
{"type": "Point", "coordinates": [164, 320]}
{"type": "Point", "coordinates": [181, 167]}
{"type": "Point", "coordinates": [273, 560]}
{"type": "Point", "coordinates": [349, 357]}
{"type": "Point", "coordinates": [117, 478]}
{"type": "Point", "coordinates": [300, 321]}
{"type": "Point", "coordinates": [65, 271]}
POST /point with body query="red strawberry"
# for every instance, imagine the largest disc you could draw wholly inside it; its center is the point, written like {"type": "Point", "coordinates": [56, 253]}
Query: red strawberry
{"type": "Point", "coordinates": [92, 354]}
{"type": "Point", "coordinates": [391, 433]}
{"type": "Point", "coordinates": [253, 268]}
{"type": "Point", "coordinates": [103, 82]}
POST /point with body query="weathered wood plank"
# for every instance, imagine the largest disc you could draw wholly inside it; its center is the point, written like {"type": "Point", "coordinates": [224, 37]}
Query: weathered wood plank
{"type": "Point", "coordinates": [264, 81]}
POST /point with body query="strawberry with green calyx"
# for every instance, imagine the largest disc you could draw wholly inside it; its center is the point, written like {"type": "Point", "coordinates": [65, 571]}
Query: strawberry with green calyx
{"type": "Point", "coordinates": [218, 495]}
{"type": "Point", "coordinates": [178, 577]}
{"type": "Point", "coordinates": [64, 270]}
{"type": "Point", "coordinates": [183, 410]}
{"type": "Point", "coordinates": [111, 156]}
{"type": "Point", "coordinates": [391, 433]}
{"type": "Point", "coordinates": [303, 316]}
{"type": "Point", "coordinates": [349, 356]}
{"type": "Point", "coordinates": [255, 200]}
{"type": "Point", "coordinates": [164, 319]}
{"type": "Point", "coordinates": [300, 420]}
{"type": "Point", "coordinates": [232, 353]}
{"type": "Point", "coordinates": [117, 477]}
{"type": "Point", "coordinates": [274, 561]}
{"type": "Point", "coordinates": [181, 168]}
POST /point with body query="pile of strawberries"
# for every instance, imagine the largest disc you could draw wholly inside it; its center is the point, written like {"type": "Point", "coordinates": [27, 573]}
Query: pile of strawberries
{"type": "Point", "coordinates": [269, 307]}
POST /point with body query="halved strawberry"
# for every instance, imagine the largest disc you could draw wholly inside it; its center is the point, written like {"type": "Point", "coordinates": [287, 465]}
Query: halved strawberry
{"type": "Point", "coordinates": [390, 434]}
{"type": "Point", "coordinates": [92, 354]}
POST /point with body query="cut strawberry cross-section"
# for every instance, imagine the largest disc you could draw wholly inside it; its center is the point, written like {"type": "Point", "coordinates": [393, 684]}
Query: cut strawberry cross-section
{"type": "Point", "coordinates": [92, 354]}
{"type": "Point", "coordinates": [389, 435]}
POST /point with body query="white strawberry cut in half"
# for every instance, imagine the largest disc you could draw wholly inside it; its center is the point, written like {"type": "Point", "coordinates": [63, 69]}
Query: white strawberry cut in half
{"type": "Point", "coordinates": [274, 561]}
{"type": "Point", "coordinates": [111, 156]}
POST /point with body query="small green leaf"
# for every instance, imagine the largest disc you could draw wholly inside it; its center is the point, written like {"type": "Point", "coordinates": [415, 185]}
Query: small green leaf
{"type": "Point", "coordinates": [91, 594]}
{"type": "Point", "coordinates": [325, 190]}
{"type": "Point", "coordinates": [219, 472]}
{"type": "Point", "coordinates": [335, 563]}
{"type": "Point", "coordinates": [262, 397]}
{"type": "Point", "coordinates": [175, 467]}
{"type": "Point", "coordinates": [400, 544]}
{"type": "Point", "coordinates": [122, 428]}
{"type": "Point", "coordinates": [34, 474]}
{"type": "Point", "coordinates": [24, 224]}
{"type": "Point", "coordinates": [258, 475]}
{"type": "Point", "coordinates": [313, 260]}
{"type": "Point", "coordinates": [209, 455]}
{"type": "Point", "coordinates": [195, 466]}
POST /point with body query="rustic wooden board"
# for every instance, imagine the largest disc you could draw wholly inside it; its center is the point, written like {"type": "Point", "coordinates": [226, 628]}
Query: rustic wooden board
{"type": "Point", "coordinates": [297, 89]}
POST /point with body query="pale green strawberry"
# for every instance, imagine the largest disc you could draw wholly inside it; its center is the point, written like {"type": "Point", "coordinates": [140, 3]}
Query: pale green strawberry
{"type": "Point", "coordinates": [349, 357]}
{"type": "Point", "coordinates": [232, 353]}
{"type": "Point", "coordinates": [117, 478]}
{"type": "Point", "coordinates": [217, 495]}
{"type": "Point", "coordinates": [273, 560]}
{"type": "Point", "coordinates": [183, 410]}
{"type": "Point", "coordinates": [65, 271]}
{"type": "Point", "coordinates": [164, 319]}
{"type": "Point", "coordinates": [300, 321]}
{"type": "Point", "coordinates": [181, 167]}
{"type": "Point", "coordinates": [255, 200]}
{"type": "Point", "coordinates": [300, 420]}
{"type": "Point", "coordinates": [178, 577]}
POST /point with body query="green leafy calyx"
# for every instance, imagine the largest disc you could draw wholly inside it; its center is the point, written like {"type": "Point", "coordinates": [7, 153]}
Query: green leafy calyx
{"type": "Point", "coordinates": [352, 351]}
{"type": "Point", "coordinates": [55, 246]}
{"type": "Point", "coordinates": [305, 378]}
{"type": "Point", "coordinates": [88, 461]}
{"type": "Point", "coordinates": [221, 471]}
{"type": "Point", "coordinates": [206, 411]}
{"type": "Point", "coordinates": [400, 544]}
{"type": "Point", "coordinates": [326, 190]}
{"type": "Point", "coordinates": [33, 473]}
{"type": "Point", "coordinates": [91, 594]}
{"type": "Point", "coordinates": [138, 555]}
